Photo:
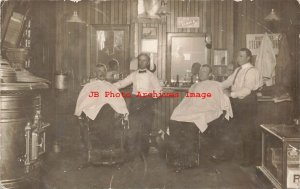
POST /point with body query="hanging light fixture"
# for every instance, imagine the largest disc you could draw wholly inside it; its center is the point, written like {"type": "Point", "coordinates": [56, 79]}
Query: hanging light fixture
{"type": "Point", "coordinates": [75, 18]}
{"type": "Point", "coordinates": [272, 16]}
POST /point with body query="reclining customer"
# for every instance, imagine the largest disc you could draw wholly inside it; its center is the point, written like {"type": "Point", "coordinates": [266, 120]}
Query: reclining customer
{"type": "Point", "coordinates": [192, 116]}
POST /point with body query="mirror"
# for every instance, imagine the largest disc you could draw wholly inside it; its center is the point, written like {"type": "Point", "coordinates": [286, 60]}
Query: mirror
{"type": "Point", "coordinates": [184, 49]}
{"type": "Point", "coordinates": [110, 46]}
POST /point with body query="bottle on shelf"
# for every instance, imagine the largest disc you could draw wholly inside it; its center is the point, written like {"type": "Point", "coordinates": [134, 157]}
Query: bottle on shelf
{"type": "Point", "coordinates": [177, 81]}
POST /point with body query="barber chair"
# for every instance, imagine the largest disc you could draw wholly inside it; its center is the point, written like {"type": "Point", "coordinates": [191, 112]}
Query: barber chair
{"type": "Point", "coordinates": [104, 137]}
{"type": "Point", "coordinates": [194, 159]}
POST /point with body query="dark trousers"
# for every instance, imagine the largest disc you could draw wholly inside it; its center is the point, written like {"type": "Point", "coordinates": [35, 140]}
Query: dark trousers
{"type": "Point", "coordinates": [141, 118]}
{"type": "Point", "coordinates": [243, 126]}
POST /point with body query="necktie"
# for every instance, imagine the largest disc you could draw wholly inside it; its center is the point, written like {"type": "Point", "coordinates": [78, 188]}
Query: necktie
{"type": "Point", "coordinates": [142, 71]}
{"type": "Point", "coordinates": [236, 75]}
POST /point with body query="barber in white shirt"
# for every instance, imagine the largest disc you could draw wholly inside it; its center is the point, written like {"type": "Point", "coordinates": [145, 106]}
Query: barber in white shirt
{"type": "Point", "coordinates": [244, 82]}
{"type": "Point", "coordinates": [140, 109]}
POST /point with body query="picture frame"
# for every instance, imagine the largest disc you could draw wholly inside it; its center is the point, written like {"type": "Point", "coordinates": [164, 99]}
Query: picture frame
{"type": "Point", "coordinates": [220, 57]}
{"type": "Point", "coordinates": [108, 42]}
{"type": "Point", "coordinates": [149, 33]}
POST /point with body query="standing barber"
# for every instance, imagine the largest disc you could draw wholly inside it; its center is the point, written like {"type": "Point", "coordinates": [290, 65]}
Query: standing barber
{"type": "Point", "coordinates": [140, 109]}
{"type": "Point", "coordinates": [244, 81]}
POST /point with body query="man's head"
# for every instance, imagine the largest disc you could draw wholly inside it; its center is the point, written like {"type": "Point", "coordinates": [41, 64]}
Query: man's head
{"type": "Point", "coordinates": [205, 72]}
{"type": "Point", "coordinates": [195, 68]}
{"type": "Point", "coordinates": [244, 56]}
{"type": "Point", "coordinates": [113, 65]}
{"type": "Point", "coordinates": [101, 71]}
{"type": "Point", "coordinates": [143, 61]}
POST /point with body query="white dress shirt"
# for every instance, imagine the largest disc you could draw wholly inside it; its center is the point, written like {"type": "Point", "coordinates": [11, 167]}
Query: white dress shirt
{"type": "Point", "coordinates": [145, 82]}
{"type": "Point", "coordinates": [248, 79]}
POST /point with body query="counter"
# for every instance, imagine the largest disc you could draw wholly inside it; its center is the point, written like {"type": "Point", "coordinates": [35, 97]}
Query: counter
{"type": "Point", "coordinates": [281, 155]}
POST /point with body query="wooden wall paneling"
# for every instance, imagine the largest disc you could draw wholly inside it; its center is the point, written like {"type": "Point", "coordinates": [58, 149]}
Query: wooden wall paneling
{"type": "Point", "coordinates": [184, 13]}
{"type": "Point", "coordinates": [229, 30]}
{"type": "Point", "coordinates": [114, 12]}
{"type": "Point", "coordinates": [200, 14]}
{"type": "Point", "coordinates": [163, 45]}
{"type": "Point", "coordinates": [108, 12]}
{"type": "Point", "coordinates": [92, 9]}
{"type": "Point", "coordinates": [140, 36]}
{"type": "Point", "coordinates": [244, 24]}
{"type": "Point", "coordinates": [98, 14]}
{"type": "Point", "coordinates": [191, 12]}
{"type": "Point", "coordinates": [130, 11]}
{"type": "Point", "coordinates": [159, 51]}
{"type": "Point", "coordinates": [174, 18]}
{"type": "Point", "coordinates": [211, 19]}
{"type": "Point", "coordinates": [120, 12]}
{"type": "Point", "coordinates": [220, 25]}
{"type": "Point", "coordinates": [171, 17]}
{"type": "Point", "coordinates": [102, 6]}
{"type": "Point", "coordinates": [59, 36]}
{"type": "Point", "coordinates": [88, 38]}
{"type": "Point", "coordinates": [253, 15]}
{"type": "Point", "coordinates": [206, 14]}
{"type": "Point", "coordinates": [223, 28]}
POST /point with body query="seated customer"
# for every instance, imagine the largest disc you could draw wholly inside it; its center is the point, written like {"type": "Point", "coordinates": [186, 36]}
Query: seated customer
{"type": "Point", "coordinates": [192, 116]}
{"type": "Point", "coordinates": [93, 105]}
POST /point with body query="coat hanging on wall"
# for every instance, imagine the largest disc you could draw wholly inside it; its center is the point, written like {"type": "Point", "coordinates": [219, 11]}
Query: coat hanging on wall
{"type": "Point", "coordinates": [266, 61]}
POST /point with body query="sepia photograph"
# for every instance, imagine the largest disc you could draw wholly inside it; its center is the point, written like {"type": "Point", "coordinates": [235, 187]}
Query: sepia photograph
{"type": "Point", "coordinates": [150, 94]}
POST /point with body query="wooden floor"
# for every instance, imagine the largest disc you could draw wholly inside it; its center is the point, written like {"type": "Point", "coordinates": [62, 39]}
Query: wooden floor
{"type": "Point", "coordinates": [63, 171]}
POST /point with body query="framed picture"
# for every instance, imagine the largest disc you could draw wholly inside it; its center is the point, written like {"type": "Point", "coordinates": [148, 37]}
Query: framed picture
{"type": "Point", "coordinates": [220, 57]}
{"type": "Point", "coordinates": [149, 33]}
{"type": "Point", "coordinates": [110, 42]}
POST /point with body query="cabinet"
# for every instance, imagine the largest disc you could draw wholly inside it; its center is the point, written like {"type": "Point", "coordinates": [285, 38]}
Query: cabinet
{"type": "Point", "coordinates": [281, 155]}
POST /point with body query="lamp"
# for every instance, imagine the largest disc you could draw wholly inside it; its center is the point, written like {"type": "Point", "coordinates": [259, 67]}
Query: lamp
{"type": "Point", "coordinates": [75, 18]}
{"type": "Point", "coordinates": [272, 16]}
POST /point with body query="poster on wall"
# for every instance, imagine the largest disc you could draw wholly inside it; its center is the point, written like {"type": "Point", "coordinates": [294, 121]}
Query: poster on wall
{"type": "Point", "coordinates": [254, 42]}
{"type": "Point", "coordinates": [188, 22]}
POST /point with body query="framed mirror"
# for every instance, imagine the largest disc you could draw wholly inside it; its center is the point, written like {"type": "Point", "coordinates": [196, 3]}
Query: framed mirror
{"type": "Point", "coordinates": [184, 49]}
{"type": "Point", "coordinates": [110, 43]}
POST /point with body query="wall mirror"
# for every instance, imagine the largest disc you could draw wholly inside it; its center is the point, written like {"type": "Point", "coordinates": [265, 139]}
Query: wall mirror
{"type": "Point", "coordinates": [109, 42]}
{"type": "Point", "coordinates": [184, 49]}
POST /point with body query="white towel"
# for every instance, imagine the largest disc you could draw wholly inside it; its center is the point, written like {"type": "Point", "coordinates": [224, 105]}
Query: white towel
{"type": "Point", "coordinates": [92, 105]}
{"type": "Point", "coordinates": [202, 111]}
{"type": "Point", "coordinates": [266, 61]}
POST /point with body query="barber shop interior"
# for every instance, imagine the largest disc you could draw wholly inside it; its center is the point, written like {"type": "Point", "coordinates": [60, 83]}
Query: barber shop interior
{"type": "Point", "coordinates": [150, 94]}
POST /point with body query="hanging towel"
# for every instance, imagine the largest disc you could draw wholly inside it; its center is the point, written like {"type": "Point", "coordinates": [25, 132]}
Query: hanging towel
{"type": "Point", "coordinates": [266, 61]}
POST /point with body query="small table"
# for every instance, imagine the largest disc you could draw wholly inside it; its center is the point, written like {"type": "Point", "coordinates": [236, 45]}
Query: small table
{"type": "Point", "coordinates": [281, 155]}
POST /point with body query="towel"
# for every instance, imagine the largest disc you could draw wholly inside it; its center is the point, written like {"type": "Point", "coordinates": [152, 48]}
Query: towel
{"type": "Point", "coordinates": [201, 111]}
{"type": "Point", "coordinates": [266, 61]}
{"type": "Point", "coordinates": [92, 105]}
